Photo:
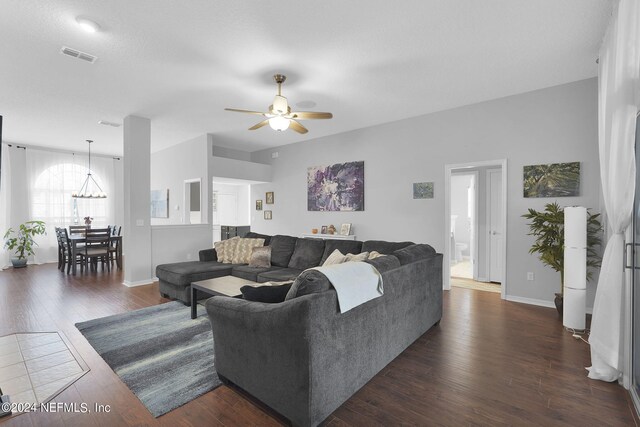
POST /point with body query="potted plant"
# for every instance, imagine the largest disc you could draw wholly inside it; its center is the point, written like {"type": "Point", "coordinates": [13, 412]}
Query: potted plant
{"type": "Point", "coordinates": [22, 241]}
{"type": "Point", "coordinates": [548, 229]}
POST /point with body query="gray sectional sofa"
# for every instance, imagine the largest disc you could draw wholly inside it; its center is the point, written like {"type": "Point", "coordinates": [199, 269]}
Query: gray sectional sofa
{"type": "Point", "coordinates": [302, 357]}
{"type": "Point", "coordinates": [289, 257]}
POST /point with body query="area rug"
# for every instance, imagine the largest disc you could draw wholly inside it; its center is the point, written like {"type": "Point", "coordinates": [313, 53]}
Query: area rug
{"type": "Point", "coordinates": [162, 355]}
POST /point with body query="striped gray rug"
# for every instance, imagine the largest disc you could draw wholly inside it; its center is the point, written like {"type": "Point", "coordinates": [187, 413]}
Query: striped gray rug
{"type": "Point", "coordinates": [162, 355]}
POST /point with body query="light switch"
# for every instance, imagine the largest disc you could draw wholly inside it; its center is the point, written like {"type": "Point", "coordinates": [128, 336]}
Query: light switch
{"type": "Point", "coordinates": [140, 222]}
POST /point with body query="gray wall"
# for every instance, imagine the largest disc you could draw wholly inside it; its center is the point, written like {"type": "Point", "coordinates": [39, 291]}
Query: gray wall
{"type": "Point", "coordinates": [557, 124]}
{"type": "Point", "coordinates": [171, 167]}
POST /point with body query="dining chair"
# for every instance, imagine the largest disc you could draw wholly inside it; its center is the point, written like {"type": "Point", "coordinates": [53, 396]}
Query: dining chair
{"type": "Point", "coordinates": [77, 229]}
{"type": "Point", "coordinates": [66, 251]}
{"type": "Point", "coordinates": [115, 243]}
{"type": "Point", "coordinates": [60, 248]}
{"type": "Point", "coordinates": [98, 242]}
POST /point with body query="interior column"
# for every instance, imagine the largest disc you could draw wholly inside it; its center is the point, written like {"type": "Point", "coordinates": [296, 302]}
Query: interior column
{"type": "Point", "coordinates": [137, 215]}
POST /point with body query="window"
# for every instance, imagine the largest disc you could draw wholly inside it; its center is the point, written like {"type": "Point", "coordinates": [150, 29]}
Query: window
{"type": "Point", "coordinates": [51, 199]}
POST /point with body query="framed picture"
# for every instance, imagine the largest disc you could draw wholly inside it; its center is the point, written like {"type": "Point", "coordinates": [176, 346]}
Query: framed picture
{"type": "Point", "coordinates": [423, 190]}
{"type": "Point", "coordinates": [345, 229]}
{"type": "Point", "coordinates": [160, 203]}
{"type": "Point", "coordinates": [323, 229]}
{"type": "Point", "coordinates": [269, 198]}
{"type": "Point", "coordinates": [338, 187]}
{"type": "Point", "coordinates": [258, 205]}
{"type": "Point", "coordinates": [551, 180]}
{"type": "Point", "coordinates": [267, 214]}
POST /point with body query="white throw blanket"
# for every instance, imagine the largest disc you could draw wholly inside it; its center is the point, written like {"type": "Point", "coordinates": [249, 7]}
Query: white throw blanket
{"type": "Point", "coordinates": [355, 283]}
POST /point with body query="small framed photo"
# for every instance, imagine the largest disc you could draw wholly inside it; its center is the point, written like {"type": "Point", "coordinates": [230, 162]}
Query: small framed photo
{"type": "Point", "coordinates": [269, 198]}
{"type": "Point", "coordinates": [267, 215]}
{"type": "Point", "coordinates": [258, 205]}
{"type": "Point", "coordinates": [323, 229]}
{"type": "Point", "coordinates": [345, 229]}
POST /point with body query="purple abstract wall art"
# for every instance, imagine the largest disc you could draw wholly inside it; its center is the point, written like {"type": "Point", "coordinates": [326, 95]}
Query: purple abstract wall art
{"type": "Point", "coordinates": [338, 187]}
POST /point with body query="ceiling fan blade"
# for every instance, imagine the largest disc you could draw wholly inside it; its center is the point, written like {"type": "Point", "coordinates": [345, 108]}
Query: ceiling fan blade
{"type": "Point", "coordinates": [297, 127]}
{"type": "Point", "coordinates": [259, 125]}
{"type": "Point", "coordinates": [245, 111]}
{"type": "Point", "coordinates": [306, 115]}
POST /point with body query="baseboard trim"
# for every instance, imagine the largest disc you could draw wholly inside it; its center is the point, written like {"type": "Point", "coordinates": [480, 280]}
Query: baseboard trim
{"type": "Point", "coordinates": [538, 302]}
{"type": "Point", "coordinates": [130, 284]}
{"type": "Point", "coordinates": [531, 301]}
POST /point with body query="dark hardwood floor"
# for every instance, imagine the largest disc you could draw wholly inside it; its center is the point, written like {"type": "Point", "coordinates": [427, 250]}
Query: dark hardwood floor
{"type": "Point", "coordinates": [490, 362]}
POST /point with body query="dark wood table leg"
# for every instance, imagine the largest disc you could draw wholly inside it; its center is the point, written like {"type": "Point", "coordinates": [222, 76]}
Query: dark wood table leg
{"type": "Point", "coordinates": [194, 302]}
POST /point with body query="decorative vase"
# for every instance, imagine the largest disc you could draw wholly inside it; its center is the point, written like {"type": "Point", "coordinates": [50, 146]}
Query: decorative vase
{"type": "Point", "coordinates": [19, 263]}
{"type": "Point", "coordinates": [558, 300]}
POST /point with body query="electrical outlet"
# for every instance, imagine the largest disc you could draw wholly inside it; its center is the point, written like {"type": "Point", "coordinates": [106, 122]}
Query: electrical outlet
{"type": "Point", "coordinates": [140, 222]}
{"type": "Point", "coordinates": [530, 275]}
{"type": "Point", "coordinates": [189, 257]}
{"type": "Point", "coordinates": [274, 155]}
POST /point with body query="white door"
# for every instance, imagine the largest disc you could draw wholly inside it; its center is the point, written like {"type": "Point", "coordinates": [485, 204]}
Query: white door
{"type": "Point", "coordinates": [494, 220]}
{"type": "Point", "coordinates": [227, 209]}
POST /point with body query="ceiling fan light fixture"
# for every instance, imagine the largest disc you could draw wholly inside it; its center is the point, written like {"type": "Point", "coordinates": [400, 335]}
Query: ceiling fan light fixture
{"type": "Point", "coordinates": [87, 24]}
{"type": "Point", "coordinates": [280, 105]}
{"type": "Point", "coordinates": [279, 123]}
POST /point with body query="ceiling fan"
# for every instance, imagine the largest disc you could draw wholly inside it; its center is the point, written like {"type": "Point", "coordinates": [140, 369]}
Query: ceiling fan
{"type": "Point", "coordinates": [280, 117]}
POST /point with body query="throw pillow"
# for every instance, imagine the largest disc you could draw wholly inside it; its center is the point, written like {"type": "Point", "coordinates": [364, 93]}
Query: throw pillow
{"type": "Point", "coordinates": [221, 247]}
{"type": "Point", "coordinates": [230, 249]}
{"type": "Point", "coordinates": [260, 257]}
{"type": "Point", "coordinates": [359, 257]}
{"type": "Point", "coordinates": [375, 254]}
{"type": "Point", "coordinates": [336, 257]}
{"type": "Point", "coordinates": [270, 294]}
{"type": "Point", "coordinates": [242, 253]}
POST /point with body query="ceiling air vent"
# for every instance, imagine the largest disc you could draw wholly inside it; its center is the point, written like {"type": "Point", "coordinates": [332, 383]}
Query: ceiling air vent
{"type": "Point", "coordinates": [77, 54]}
{"type": "Point", "coordinates": [106, 123]}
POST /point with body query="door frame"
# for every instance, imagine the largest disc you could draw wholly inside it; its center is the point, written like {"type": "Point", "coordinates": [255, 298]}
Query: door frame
{"type": "Point", "coordinates": [488, 216]}
{"type": "Point", "coordinates": [476, 247]}
{"type": "Point", "coordinates": [448, 169]}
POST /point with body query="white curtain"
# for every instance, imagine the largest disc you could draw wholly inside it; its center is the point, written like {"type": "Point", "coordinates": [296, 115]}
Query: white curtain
{"type": "Point", "coordinates": [52, 177]}
{"type": "Point", "coordinates": [5, 201]}
{"type": "Point", "coordinates": [618, 105]}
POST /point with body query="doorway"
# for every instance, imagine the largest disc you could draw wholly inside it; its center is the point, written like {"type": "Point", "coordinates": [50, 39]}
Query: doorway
{"type": "Point", "coordinates": [475, 224]}
{"type": "Point", "coordinates": [231, 208]}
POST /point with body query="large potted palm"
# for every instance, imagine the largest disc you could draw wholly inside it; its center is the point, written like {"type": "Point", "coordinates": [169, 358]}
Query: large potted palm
{"type": "Point", "coordinates": [22, 241]}
{"type": "Point", "coordinates": [548, 228]}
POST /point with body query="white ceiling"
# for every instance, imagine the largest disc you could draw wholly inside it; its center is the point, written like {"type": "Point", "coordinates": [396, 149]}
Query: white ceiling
{"type": "Point", "coordinates": [180, 63]}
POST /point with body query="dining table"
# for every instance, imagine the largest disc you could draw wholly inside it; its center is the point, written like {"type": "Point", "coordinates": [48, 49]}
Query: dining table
{"type": "Point", "coordinates": [76, 239]}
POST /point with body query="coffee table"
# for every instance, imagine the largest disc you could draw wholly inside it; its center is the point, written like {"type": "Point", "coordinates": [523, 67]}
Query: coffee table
{"type": "Point", "coordinates": [228, 286]}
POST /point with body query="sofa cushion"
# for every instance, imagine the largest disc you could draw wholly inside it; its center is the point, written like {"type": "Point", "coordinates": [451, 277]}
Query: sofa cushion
{"type": "Point", "coordinates": [309, 282]}
{"type": "Point", "coordinates": [307, 254]}
{"type": "Point", "coordinates": [269, 294]}
{"type": "Point", "coordinates": [184, 273]}
{"type": "Point", "coordinates": [383, 247]}
{"type": "Point", "coordinates": [208, 255]}
{"type": "Point", "coordinates": [251, 273]}
{"type": "Point", "coordinates": [414, 253]}
{"type": "Point", "coordinates": [384, 263]}
{"type": "Point", "coordinates": [242, 253]}
{"type": "Point", "coordinates": [253, 235]}
{"type": "Point", "coordinates": [278, 275]}
{"type": "Point", "coordinates": [281, 250]}
{"type": "Point", "coordinates": [260, 257]}
{"type": "Point", "coordinates": [345, 246]}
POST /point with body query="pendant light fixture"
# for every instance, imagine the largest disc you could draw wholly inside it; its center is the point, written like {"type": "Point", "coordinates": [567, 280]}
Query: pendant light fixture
{"type": "Point", "coordinates": [85, 191]}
